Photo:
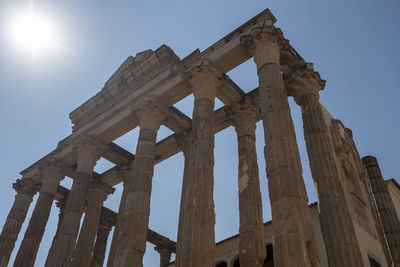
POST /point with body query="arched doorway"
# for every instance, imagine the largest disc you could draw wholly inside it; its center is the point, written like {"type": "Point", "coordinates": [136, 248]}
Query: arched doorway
{"type": "Point", "coordinates": [373, 262]}
{"type": "Point", "coordinates": [269, 260]}
{"type": "Point", "coordinates": [221, 264]}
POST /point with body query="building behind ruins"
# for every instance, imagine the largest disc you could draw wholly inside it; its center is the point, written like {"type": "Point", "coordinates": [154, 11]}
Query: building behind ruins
{"type": "Point", "coordinates": [355, 222]}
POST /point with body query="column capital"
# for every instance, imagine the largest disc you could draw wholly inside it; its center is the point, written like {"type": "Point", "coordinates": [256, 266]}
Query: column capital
{"type": "Point", "coordinates": [89, 150]}
{"type": "Point", "coordinates": [163, 249]}
{"type": "Point", "coordinates": [370, 161]}
{"type": "Point", "coordinates": [61, 203]}
{"type": "Point", "coordinates": [52, 173]}
{"type": "Point", "coordinates": [107, 220]}
{"type": "Point", "coordinates": [165, 254]}
{"type": "Point", "coordinates": [204, 79]}
{"type": "Point", "coordinates": [264, 43]}
{"type": "Point", "coordinates": [151, 114]}
{"type": "Point", "coordinates": [100, 190]}
{"type": "Point", "coordinates": [244, 115]}
{"type": "Point", "coordinates": [26, 186]}
{"type": "Point", "coordinates": [303, 80]}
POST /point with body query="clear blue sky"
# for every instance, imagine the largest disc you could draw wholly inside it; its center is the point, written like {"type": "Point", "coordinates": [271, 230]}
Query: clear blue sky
{"type": "Point", "coordinates": [353, 44]}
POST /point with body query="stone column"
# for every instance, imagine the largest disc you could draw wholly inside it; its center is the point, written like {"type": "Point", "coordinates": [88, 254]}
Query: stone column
{"type": "Point", "coordinates": [60, 254]}
{"type": "Point", "coordinates": [165, 255]}
{"type": "Point", "coordinates": [197, 246]}
{"type": "Point", "coordinates": [135, 214]}
{"type": "Point", "coordinates": [386, 211]}
{"type": "Point", "coordinates": [184, 141]}
{"type": "Point", "coordinates": [26, 255]}
{"type": "Point", "coordinates": [61, 206]}
{"type": "Point", "coordinates": [25, 188]}
{"type": "Point", "coordinates": [117, 228]}
{"type": "Point", "coordinates": [251, 231]}
{"type": "Point", "coordinates": [336, 224]}
{"type": "Point", "coordinates": [107, 221]}
{"type": "Point", "coordinates": [98, 193]}
{"type": "Point", "coordinates": [291, 220]}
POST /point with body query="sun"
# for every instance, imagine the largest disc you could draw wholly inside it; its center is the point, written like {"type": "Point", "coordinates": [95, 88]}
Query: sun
{"type": "Point", "coordinates": [32, 33]}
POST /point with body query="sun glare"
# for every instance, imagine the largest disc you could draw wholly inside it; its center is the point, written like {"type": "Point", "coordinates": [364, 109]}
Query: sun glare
{"type": "Point", "coordinates": [32, 33]}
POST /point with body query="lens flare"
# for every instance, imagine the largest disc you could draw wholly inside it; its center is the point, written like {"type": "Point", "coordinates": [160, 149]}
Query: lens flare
{"type": "Point", "coordinates": [32, 33]}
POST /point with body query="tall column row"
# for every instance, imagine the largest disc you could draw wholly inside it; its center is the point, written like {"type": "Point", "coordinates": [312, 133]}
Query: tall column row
{"type": "Point", "coordinates": [135, 213]}
{"type": "Point", "coordinates": [336, 224]}
{"type": "Point", "coordinates": [25, 189]}
{"type": "Point", "coordinates": [28, 249]}
{"type": "Point", "coordinates": [294, 238]}
{"type": "Point", "coordinates": [71, 208]}
{"type": "Point", "coordinates": [98, 193]}
{"type": "Point", "coordinates": [61, 251]}
{"type": "Point", "coordinates": [292, 229]}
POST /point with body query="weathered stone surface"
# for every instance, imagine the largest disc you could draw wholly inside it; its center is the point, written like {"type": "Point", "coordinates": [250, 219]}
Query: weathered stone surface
{"type": "Point", "coordinates": [251, 232]}
{"type": "Point", "coordinates": [165, 255]}
{"type": "Point", "coordinates": [25, 189]}
{"type": "Point", "coordinates": [160, 76]}
{"type": "Point", "coordinates": [184, 140]}
{"type": "Point", "coordinates": [135, 214]}
{"type": "Point", "coordinates": [33, 236]}
{"type": "Point", "coordinates": [197, 244]}
{"type": "Point", "coordinates": [60, 254]}
{"type": "Point", "coordinates": [61, 206]}
{"type": "Point", "coordinates": [385, 207]}
{"type": "Point", "coordinates": [135, 72]}
{"type": "Point", "coordinates": [293, 234]}
{"type": "Point", "coordinates": [98, 193]}
{"type": "Point", "coordinates": [107, 221]}
{"type": "Point", "coordinates": [117, 228]}
{"type": "Point", "coordinates": [336, 223]}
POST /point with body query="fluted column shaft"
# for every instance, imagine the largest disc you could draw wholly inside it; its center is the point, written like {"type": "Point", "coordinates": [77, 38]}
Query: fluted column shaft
{"type": "Point", "coordinates": [336, 224]}
{"type": "Point", "coordinates": [25, 188]}
{"type": "Point", "coordinates": [185, 142]}
{"type": "Point", "coordinates": [385, 207]}
{"type": "Point", "coordinates": [291, 222]}
{"type": "Point", "coordinates": [105, 224]}
{"type": "Point", "coordinates": [29, 247]}
{"type": "Point", "coordinates": [135, 215]}
{"type": "Point", "coordinates": [251, 231]}
{"type": "Point", "coordinates": [61, 252]}
{"type": "Point", "coordinates": [83, 251]}
{"type": "Point", "coordinates": [116, 235]}
{"type": "Point", "coordinates": [197, 246]}
{"type": "Point", "coordinates": [61, 205]}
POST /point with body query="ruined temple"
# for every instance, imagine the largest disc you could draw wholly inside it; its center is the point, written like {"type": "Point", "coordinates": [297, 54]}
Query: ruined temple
{"type": "Point", "coordinates": [355, 222]}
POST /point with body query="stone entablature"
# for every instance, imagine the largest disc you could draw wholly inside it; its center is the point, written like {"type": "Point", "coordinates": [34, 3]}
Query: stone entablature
{"type": "Point", "coordinates": [109, 120]}
{"type": "Point", "coordinates": [141, 93]}
{"type": "Point", "coordinates": [131, 75]}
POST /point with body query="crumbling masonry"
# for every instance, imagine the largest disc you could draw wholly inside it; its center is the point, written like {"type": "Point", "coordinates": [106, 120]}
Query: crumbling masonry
{"type": "Point", "coordinates": [354, 205]}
